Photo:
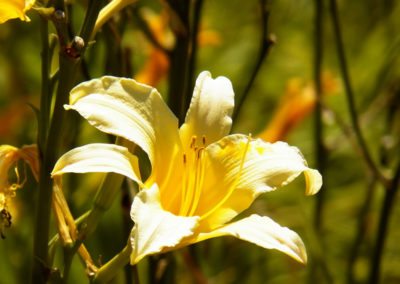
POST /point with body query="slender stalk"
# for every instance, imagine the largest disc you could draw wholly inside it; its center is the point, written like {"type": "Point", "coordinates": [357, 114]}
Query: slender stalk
{"type": "Point", "coordinates": [362, 226]}
{"type": "Point", "coordinates": [135, 273]}
{"type": "Point", "coordinates": [46, 86]}
{"type": "Point", "coordinates": [126, 202]}
{"type": "Point", "coordinates": [320, 149]}
{"type": "Point", "coordinates": [40, 262]}
{"type": "Point", "coordinates": [390, 193]}
{"type": "Point", "coordinates": [193, 41]}
{"type": "Point", "coordinates": [90, 19]}
{"type": "Point", "coordinates": [69, 60]}
{"type": "Point", "coordinates": [108, 271]}
{"type": "Point", "coordinates": [192, 264]}
{"type": "Point", "coordinates": [179, 58]}
{"type": "Point", "coordinates": [68, 71]}
{"type": "Point", "coordinates": [105, 196]}
{"type": "Point", "coordinates": [265, 45]}
{"type": "Point", "coordinates": [386, 209]}
{"type": "Point", "coordinates": [350, 95]}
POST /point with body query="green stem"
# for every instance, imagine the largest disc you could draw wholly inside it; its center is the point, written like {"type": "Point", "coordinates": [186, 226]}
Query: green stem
{"type": "Point", "coordinates": [106, 194]}
{"type": "Point", "coordinates": [193, 47]}
{"type": "Point", "coordinates": [179, 58]}
{"type": "Point", "coordinates": [362, 226]}
{"type": "Point", "coordinates": [265, 45]}
{"type": "Point", "coordinates": [386, 209]}
{"type": "Point", "coordinates": [350, 95]}
{"type": "Point", "coordinates": [90, 19]}
{"type": "Point", "coordinates": [68, 70]}
{"type": "Point", "coordinates": [46, 86]}
{"type": "Point", "coordinates": [108, 271]}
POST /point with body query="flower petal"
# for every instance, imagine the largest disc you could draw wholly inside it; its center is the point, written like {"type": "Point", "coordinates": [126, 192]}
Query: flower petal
{"type": "Point", "coordinates": [15, 9]}
{"type": "Point", "coordinates": [210, 110]}
{"type": "Point", "coordinates": [102, 158]}
{"type": "Point", "coordinates": [134, 111]}
{"type": "Point", "coordinates": [30, 154]}
{"type": "Point", "coordinates": [264, 232]}
{"type": "Point", "coordinates": [156, 230]}
{"type": "Point", "coordinates": [241, 168]}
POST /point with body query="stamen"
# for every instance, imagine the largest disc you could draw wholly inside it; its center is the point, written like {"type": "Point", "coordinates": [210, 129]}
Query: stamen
{"type": "Point", "coordinates": [199, 180]}
{"type": "Point", "coordinates": [193, 141]}
{"type": "Point", "coordinates": [184, 184]}
{"type": "Point", "coordinates": [193, 177]}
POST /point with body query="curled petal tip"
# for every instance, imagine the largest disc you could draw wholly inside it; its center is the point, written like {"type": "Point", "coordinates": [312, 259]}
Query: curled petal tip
{"type": "Point", "coordinates": [313, 181]}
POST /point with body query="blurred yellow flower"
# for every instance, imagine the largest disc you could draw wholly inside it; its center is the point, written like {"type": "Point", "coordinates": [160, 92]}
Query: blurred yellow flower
{"type": "Point", "coordinates": [12, 9]}
{"type": "Point", "coordinates": [111, 9]}
{"type": "Point", "coordinates": [9, 157]}
{"type": "Point", "coordinates": [201, 176]}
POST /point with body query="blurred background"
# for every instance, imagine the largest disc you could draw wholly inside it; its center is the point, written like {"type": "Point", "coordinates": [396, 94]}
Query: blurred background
{"type": "Point", "coordinates": [293, 73]}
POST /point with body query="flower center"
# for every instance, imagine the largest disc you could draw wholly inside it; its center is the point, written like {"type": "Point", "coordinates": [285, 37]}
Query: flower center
{"type": "Point", "coordinates": [193, 176]}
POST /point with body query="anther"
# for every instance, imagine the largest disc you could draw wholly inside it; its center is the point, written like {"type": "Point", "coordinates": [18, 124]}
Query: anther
{"type": "Point", "coordinates": [184, 159]}
{"type": "Point", "coordinates": [193, 141]}
{"type": "Point", "coordinates": [204, 140]}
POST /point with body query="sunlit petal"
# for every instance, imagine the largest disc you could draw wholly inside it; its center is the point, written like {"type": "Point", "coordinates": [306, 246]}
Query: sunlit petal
{"type": "Point", "coordinates": [210, 110]}
{"type": "Point", "coordinates": [264, 232]}
{"type": "Point", "coordinates": [8, 159]}
{"type": "Point", "coordinates": [156, 230]}
{"type": "Point", "coordinates": [102, 158]}
{"type": "Point", "coordinates": [131, 110]}
{"type": "Point", "coordinates": [250, 167]}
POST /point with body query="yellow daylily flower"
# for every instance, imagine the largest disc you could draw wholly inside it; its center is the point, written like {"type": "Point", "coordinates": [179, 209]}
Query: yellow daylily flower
{"type": "Point", "coordinates": [12, 9]}
{"type": "Point", "coordinates": [201, 176]}
{"type": "Point", "coordinates": [9, 157]}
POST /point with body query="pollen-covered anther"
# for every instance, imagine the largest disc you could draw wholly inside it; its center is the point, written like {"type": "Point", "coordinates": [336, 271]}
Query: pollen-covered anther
{"type": "Point", "coordinates": [193, 177]}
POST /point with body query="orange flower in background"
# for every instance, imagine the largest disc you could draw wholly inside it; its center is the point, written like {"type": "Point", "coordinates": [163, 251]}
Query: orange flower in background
{"type": "Point", "coordinates": [11, 118]}
{"type": "Point", "coordinates": [12, 9]}
{"type": "Point", "coordinates": [157, 65]}
{"type": "Point", "coordinates": [296, 104]}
